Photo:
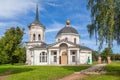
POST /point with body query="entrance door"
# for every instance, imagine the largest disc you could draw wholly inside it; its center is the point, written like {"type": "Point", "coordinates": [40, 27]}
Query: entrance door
{"type": "Point", "coordinates": [64, 58]}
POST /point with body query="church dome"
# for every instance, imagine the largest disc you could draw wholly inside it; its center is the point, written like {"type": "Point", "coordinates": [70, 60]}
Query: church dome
{"type": "Point", "coordinates": [67, 29]}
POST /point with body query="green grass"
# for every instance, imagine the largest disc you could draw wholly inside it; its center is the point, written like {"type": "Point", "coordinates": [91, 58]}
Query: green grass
{"type": "Point", "coordinates": [113, 73]}
{"type": "Point", "coordinates": [39, 72]}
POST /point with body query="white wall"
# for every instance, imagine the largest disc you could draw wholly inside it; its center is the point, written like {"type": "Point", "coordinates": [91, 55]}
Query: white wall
{"type": "Point", "coordinates": [36, 57]}
{"type": "Point", "coordinates": [84, 57]}
{"type": "Point", "coordinates": [70, 37]}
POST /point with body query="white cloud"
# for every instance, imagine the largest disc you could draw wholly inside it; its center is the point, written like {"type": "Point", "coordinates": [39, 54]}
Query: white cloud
{"type": "Point", "coordinates": [4, 25]}
{"type": "Point", "coordinates": [84, 35]}
{"type": "Point", "coordinates": [79, 27]}
{"type": "Point", "coordinates": [85, 42]}
{"type": "Point", "coordinates": [55, 26]}
{"type": "Point", "coordinates": [13, 8]}
{"type": "Point", "coordinates": [81, 17]}
{"type": "Point", "coordinates": [53, 4]}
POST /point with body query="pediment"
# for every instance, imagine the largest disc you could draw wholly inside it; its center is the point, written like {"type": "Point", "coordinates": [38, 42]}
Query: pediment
{"type": "Point", "coordinates": [68, 43]}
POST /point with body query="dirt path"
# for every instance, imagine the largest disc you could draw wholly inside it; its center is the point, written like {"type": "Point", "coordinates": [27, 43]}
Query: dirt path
{"type": "Point", "coordinates": [97, 69]}
{"type": "Point", "coordinates": [5, 75]}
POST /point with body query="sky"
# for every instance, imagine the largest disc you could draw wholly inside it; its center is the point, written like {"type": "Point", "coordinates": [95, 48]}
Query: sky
{"type": "Point", "coordinates": [52, 14]}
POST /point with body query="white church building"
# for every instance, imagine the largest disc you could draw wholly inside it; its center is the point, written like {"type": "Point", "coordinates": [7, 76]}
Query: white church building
{"type": "Point", "coordinates": [66, 50]}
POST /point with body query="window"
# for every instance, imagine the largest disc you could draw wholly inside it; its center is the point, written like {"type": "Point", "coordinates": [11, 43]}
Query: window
{"type": "Point", "coordinates": [43, 57]}
{"type": "Point", "coordinates": [55, 58]}
{"type": "Point", "coordinates": [40, 57]}
{"type": "Point", "coordinates": [73, 58]}
{"type": "Point", "coordinates": [39, 37]}
{"type": "Point", "coordinates": [75, 40]}
{"type": "Point", "coordinates": [33, 36]}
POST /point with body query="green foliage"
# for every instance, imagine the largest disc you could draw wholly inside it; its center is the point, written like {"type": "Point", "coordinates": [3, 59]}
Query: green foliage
{"type": "Point", "coordinates": [4, 58]}
{"type": "Point", "coordinates": [105, 21]}
{"type": "Point", "coordinates": [115, 57]}
{"type": "Point", "coordinates": [95, 55]}
{"type": "Point", "coordinates": [106, 52]}
{"type": "Point", "coordinates": [11, 47]}
{"type": "Point", "coordinates": [22, 55]}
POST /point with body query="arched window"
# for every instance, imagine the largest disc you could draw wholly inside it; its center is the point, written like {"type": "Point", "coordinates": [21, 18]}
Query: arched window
{"type": "Point", "coordinates": [43, 57]}
{"type": "Point", "coordinates": [39, 37]}
{"type": "Point", "coordinates": [33, 36]}
{"type": "Point", "coordinates": [63, 46]}
{"type": "Point", "coordinates": [58, 39]}
{"type": "Point", "coordinates": [75, 40]}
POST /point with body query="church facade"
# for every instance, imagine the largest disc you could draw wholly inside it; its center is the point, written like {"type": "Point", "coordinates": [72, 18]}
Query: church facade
{"type": "Point", "coordinates": [65, 51]}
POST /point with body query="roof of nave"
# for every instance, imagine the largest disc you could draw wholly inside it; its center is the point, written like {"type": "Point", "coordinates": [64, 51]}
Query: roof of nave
{"type": "Point", "coordinates": [85, 48]}
{"type": "Point", "coordinates": [63, 41]}
{"type": "Point", "coordinates": [45, 46]}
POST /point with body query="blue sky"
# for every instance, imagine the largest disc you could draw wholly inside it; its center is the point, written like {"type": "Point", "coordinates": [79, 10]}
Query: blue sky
{"type": "Point", "coordinates": [52, 14]}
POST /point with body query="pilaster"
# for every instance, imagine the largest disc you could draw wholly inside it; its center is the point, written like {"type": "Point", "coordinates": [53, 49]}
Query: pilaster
{"type": "Point", "coordinates": [58, 56]}
{"type": "Point", "coordinates": [49, 57]}
{"type": "Point", "coordinates": [69, 56]}
{"type": "Point", "coordinates": [78, 57]}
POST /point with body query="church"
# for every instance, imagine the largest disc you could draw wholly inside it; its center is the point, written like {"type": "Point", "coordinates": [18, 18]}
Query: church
{"type": "Point", "coordinates": [66, 50]}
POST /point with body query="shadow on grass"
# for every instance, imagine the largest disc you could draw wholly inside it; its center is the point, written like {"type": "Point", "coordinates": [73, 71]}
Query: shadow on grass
{"type": "Point", "coordinates": [112, 68]}
{"type": "Point", "coordinates": [76, 68]}
{"type": "Point", "coordinates": [14, 70]}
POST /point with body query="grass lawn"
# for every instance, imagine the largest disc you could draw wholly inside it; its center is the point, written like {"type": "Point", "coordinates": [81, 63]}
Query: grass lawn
{"type": "Point", "coordinates": [114, 73]}
{"type": "Point", "coordinates": [39, 72]}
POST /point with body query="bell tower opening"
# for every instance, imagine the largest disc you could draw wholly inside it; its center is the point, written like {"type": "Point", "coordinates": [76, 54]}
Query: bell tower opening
{"type": "Point", "coordinates": [39, 37]}
{"type": "Point", "coordinates": [34, 37]}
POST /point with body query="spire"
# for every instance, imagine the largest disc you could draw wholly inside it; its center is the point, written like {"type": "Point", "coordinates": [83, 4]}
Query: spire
{"type": "Point", "coordinates": [36, 21]}
{"type": "Point", "coordinates": [37, 16]}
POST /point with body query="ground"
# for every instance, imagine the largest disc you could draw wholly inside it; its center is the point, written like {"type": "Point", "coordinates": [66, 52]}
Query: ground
{"type": "Point", "coordinates": [82, 74]}
{"type": "Point", "coordinates": [5, 75]}
{"type": "Point", "coordinates": [113, 73]}
{"type": "Point", "coordinates": [97, 72]}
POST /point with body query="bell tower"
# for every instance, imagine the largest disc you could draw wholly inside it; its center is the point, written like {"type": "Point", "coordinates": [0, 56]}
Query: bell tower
{"type": "Point", "coordinates": [36, 29]}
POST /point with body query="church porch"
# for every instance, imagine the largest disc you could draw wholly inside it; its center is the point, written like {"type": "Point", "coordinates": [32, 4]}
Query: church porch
{"type": "Point", "coordinates": [69, 57]}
